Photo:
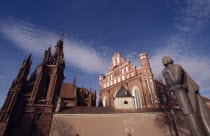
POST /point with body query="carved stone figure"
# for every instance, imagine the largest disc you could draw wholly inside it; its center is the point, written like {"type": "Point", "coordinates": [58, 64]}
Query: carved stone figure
{"type": "Point", "coordinates": [187, 94]}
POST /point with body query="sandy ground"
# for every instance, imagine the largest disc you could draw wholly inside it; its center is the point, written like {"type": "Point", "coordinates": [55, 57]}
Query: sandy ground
{"type": "Point", "coordinates": [123, 124]}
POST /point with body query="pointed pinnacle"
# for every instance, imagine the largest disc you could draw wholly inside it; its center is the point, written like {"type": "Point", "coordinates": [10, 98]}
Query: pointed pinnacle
{"type": "Point", "coordinates": [49, 49]}
{"type": "Point", "coordinates": [24, 61]}
{"type": "Point", "coordinates": [28, 60]}
{"type": "Point", "coordinates": [62, 35]}
{"type": "Point", "coordinates": [35, 70]}
{"type": "Point", "coordinates": [29, 57]}
{"type": "Point", "coordinates": [33, 74]}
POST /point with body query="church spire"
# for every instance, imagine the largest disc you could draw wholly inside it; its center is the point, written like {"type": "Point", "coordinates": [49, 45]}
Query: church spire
{"type": "Point", "coordinates": [58, 57]}
{"type": "Point", "coordinates": [25, 68]}
{"type": "Point", "coordinates": [49, 49]}
{"type": "Point", "coordinates": [75, 79]}
{"type": "Point", "coordinates": [28, 60]}
{"type": "Point", "coordinates": [59, 54]}
{"type": "Point", "coordinates": [59, 43]}
{"type": "Point", "coordinates": [33, 74]}
{"type": "Point", "coordinates": [47, 55]}
{"type": "Point", "coordinates": [59, 46]}
{"type": "Point", "coordinates": [61, 37]}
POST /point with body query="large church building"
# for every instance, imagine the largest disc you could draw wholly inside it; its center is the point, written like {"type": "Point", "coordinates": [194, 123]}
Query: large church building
{"type": "Point", "coordinates": [126, 87]}
{"type": "Point", "coordinates": [33, 100]}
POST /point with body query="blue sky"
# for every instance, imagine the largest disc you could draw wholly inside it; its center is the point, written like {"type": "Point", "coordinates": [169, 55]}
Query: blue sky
{"type": "Point", "coordinates": [96, 29]}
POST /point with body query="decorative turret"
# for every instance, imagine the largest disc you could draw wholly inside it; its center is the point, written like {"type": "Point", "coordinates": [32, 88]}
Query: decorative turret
{"type": "Point", "coordinates": [59, 46]}
{"type": "Point", "coordinates": [75, 79]}
{"type": "Point", "coordinates": [49, 49]}
{"type": "Point", "coordinates": [47, 56]}
{"type": "Point", "coordinates": [28, 60]}
{"type": "Point", "coordinates": [24, 69]}
{"type": "Point", "coordinates": [101, 78]}
{"type": "Point", "coordinates": [33, 75]}
{"type": "Point", "coordinates": [144, 60]}
{"type": "Point", "coordinates": [58, 57]}
{"type": "Point", "coordinates": [147, 78]}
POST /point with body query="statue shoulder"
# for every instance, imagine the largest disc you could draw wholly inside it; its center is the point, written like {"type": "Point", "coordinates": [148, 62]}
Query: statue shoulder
{"type": "Point", "coordinates": [178, 67]}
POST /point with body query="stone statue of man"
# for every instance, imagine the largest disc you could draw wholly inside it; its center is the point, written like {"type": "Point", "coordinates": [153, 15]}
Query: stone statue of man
{"type": "Point", "coordinates": [187, 94]}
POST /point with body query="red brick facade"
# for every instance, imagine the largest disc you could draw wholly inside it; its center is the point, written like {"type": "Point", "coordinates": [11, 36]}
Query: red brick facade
{"type": "Point", "coordinates": [122, 73]}
{"type": "Point", "coordinates": [152, 93]}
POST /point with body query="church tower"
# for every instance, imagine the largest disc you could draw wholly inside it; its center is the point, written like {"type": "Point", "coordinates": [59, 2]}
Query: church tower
{"type": "Point", "coordinates": [49, 79]}
{"type": "Point", "coordinates": [14, 103]}
{"type": "Point", "coordinates": [45, 93]}
{"type": "Point", "coordinates": [148, 82]}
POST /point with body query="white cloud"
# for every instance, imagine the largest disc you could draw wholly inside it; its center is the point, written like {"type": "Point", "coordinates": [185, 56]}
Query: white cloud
{"type": "Point", "coordinates": [193, 16]}
{"type": "Point", "coordinates": [29, 37]}
{"type": "Point", "coordinates": [197, 65]}
{"type": "Point", "coordinates": [194, 62]}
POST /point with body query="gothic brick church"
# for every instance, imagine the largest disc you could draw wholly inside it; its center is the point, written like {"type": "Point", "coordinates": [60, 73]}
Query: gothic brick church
{"type": "Point", "coordinates": [31, 102]}
{"type": "Point", "coordinates": [126, 87]}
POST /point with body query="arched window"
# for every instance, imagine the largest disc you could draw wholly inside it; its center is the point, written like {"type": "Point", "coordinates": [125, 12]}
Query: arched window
{"type": "Point", "coordinates": [105, 103]}
{"type": "Point", "coordinates": [137, 99]}
{"type": "Point", "coordinates": [125, 102]}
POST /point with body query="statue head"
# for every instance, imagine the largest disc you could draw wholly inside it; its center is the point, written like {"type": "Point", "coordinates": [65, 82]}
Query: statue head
{"type": "Point", "coordinates": [167, 60]}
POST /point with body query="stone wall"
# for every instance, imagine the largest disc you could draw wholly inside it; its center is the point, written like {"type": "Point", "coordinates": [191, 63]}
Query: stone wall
{"type": "Point", "coordinates": [121, 124]}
